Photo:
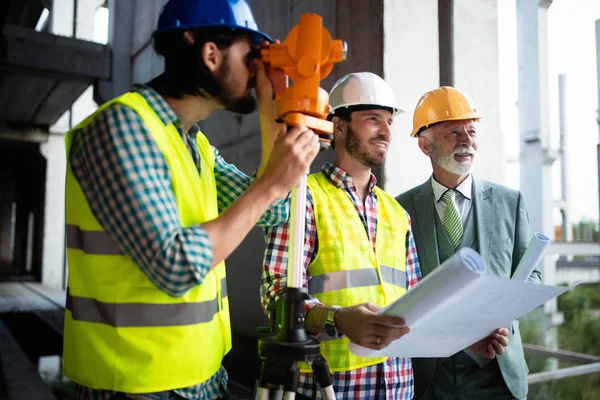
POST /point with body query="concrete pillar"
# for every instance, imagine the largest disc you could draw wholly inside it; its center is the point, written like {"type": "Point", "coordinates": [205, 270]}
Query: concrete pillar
{"type": "Point", "coordinates": [535, 158]}
{"type": "Point", "coordinates": [86, 13]}
{"type": "Point", "coordinates": [54, 211]}
{"type": "Point", "coordinates": [476, 72]}
{"type": "Point", "coordinates": [62, 23]}
{"type": "Point", "coordinates": [411, 67]}
{"type": "Point", "coordinates": [120, 37]}
{"type": "Point", "coordinates": [7, 219]}
{"type": "Point", "coordinates": [598, 111]}
{"type": "Point", "coordinates": [145, 63]}
{"type": "Point", "coordinates": [567, 232]}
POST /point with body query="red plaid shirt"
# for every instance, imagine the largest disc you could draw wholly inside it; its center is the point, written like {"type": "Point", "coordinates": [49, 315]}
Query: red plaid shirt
{"type": "Point", "coordinates": [392, 379]}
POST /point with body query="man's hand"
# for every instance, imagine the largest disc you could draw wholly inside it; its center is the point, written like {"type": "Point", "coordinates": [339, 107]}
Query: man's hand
{"type": "Point", "coordinates": [291, 157]}
{"type": "Point", "coordinates": [365, 327]}
{"type": "Point", "coordinates": [492, 345]}
{"type": "Point", "coordinates": [268, 82]}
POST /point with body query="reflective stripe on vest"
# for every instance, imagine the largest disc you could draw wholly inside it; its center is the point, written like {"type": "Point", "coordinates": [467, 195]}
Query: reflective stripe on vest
{"type": "Point", "coordinates": [355, 278]}
{"type": "Point", "coordinates": [91, 242]}
{"type": "Point", "coordinates": [122, 315]}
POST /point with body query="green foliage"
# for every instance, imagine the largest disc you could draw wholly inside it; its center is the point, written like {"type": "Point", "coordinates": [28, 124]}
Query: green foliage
{"type": "Point", "coordinates": [579, 333]}
{"type": "Point", "coordinates": [586, 231]}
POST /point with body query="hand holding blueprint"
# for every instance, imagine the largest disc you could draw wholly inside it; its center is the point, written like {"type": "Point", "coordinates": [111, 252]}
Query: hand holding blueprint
{"type": "Point", "coordinates": [457, 305]}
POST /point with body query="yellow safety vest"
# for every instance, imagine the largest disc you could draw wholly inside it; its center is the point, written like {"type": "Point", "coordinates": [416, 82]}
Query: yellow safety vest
{"type": "Point", "coordinates": [346, 271]}
{"type": "Point", "coordinates": [121, 332]}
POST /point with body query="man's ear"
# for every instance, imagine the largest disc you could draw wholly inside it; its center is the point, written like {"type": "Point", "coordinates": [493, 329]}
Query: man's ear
{"type": "Point", "coordinates": [211, 54]}
{"type": "Point", "coordinates": [425, 145]}
{"type": "Point", "coordinates": [339, 125]}
{"type": "Point", "coordinates": [339, 128]}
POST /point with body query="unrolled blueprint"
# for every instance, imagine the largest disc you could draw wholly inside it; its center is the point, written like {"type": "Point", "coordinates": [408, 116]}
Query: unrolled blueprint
{"type": "Point", "coordinates": [457, 305]}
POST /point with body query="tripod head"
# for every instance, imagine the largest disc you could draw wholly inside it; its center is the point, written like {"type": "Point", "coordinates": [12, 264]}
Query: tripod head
{"type": "Point", "coordinates": [306, 56]}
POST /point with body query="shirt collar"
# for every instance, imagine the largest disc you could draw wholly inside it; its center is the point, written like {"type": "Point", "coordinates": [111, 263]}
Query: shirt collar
{"type": "Point", "coordinates": [161, 107]}
{"type": "Point", "coordinates": [464, 188]}
{"type": "Point", "coordinates": [340, 178]}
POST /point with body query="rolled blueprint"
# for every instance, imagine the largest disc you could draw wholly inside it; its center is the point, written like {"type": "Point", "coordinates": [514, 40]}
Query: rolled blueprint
{"type": "Point", "coordinates": [458, 271]}
{"type": "Point", "coordinates": [534, 253]}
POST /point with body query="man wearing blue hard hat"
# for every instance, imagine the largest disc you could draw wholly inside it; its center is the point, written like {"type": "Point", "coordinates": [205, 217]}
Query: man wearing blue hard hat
{"type": "Point", "coordinates": [152, 210]}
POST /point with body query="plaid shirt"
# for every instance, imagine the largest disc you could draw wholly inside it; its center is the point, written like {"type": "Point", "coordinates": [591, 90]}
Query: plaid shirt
{"type": "Point", "coordinates": [392, 379]}
{"type": "Point", "coordinates": [127, 182]}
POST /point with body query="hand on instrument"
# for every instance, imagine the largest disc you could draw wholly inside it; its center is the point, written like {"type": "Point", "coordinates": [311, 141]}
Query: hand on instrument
{"type": "Point", "coordinates": [268, 80]}
{"type": "Point", "coordinates": [290, 158]}
{"type": "Point", "coordinates": [365, 327]}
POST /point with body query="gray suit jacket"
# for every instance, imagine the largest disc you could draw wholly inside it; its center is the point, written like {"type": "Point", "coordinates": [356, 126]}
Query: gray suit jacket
{"type": "Point", "coordinates": [503, 234]}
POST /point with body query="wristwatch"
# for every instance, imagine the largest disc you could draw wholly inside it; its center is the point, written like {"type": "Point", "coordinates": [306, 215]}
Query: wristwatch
{"type": "Point", "coordinates": [330, 328]}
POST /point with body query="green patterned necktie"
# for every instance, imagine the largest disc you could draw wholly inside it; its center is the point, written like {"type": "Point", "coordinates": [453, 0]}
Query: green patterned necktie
{"type": "Point", "coordinates": [452, 220]}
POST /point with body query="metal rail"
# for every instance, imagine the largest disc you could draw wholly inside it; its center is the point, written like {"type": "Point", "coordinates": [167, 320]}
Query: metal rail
{"type": "Point", "coordinates": [563, 355]}
{"type": "Point", "coordinates": [563, 373]}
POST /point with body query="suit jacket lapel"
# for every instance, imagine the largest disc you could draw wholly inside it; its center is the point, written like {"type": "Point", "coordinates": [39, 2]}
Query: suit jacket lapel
{"type": "Point", "coordinates": [427, 244]}
{"type": "Point", "coordinates": [484, 212]}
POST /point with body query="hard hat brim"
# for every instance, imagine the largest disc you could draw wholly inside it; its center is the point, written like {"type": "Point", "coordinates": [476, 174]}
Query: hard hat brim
{"type": "Point", "coordinates": [257, 37]}
{"type": "Point", "coordinates": [415, 132]}
{"type": "Point", "coordinates": [350, 106]}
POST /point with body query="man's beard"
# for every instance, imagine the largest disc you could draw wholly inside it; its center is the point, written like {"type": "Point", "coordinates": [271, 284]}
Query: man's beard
{"type": "Point", "coordinates": [357, 149]}
{"type": "Point", "coordinates": [448, 162]}
{"type": "Point", "coordinates": [245, 104]}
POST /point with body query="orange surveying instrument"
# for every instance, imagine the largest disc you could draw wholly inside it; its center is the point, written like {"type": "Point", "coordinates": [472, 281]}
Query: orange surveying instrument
{"type": "Point", "coordinates": [306, 56]}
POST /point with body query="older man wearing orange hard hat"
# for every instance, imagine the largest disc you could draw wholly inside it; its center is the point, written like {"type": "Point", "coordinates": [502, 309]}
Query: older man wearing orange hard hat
{"type": "Point", "coordinates": [452, 210]}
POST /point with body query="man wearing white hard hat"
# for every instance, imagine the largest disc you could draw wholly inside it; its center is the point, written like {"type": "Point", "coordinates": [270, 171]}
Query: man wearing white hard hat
{"type": "Point", "coordinates": [359, 250]}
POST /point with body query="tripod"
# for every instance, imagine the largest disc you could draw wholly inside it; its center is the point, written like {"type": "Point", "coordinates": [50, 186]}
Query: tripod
{"type": "Point", "coordinates": [279, 355]}
{"type": "Point", "coordinates": [307, 56]}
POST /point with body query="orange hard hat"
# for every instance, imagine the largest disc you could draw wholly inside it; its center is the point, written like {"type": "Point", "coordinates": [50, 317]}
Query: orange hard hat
{"type": "Point", "coordinates": [443, 104]}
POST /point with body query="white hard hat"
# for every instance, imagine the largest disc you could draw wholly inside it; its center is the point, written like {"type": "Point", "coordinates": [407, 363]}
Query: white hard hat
{"type": "Point", "coordinates": [362, 89]}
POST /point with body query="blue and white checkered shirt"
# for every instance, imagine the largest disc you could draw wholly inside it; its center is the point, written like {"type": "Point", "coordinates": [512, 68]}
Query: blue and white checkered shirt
{"type": "Point", "coordinates": [127, 183]}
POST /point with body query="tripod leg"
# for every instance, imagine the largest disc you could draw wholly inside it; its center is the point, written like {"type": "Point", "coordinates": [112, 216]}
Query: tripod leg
{"type": "Point", "coordinates": [327, 393]}
{"type": "Point", "coordinates": [261, 391]}
{"type": "Point", "coordinates": [278, 394]}
{"type": "Point", "coordinates": [289, 396]}
{"type": "Point", "coordinates": [323, 378]}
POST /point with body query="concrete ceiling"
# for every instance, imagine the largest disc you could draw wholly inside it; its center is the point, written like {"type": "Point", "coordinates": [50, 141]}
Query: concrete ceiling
{"type": "Point", "coordinates": [42, 74]}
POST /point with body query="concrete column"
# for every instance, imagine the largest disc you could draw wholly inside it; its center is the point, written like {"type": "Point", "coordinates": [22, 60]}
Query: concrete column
{"type": "Point", "coordinates": [86, 13]}
{"type": "Point", "coordinates": [7, 220]}
{"type": "Point", "coordinates": [62, 23]}
{"type": "Point", "coordinates": [411, 67]}
{"type": "Point", "coordinates": [598, 117]}
{"type": "Point", "coordinates": [476, 72]}
{"type": "Point", "coordinates": [535, 158]}
{"type": "Point", "coordinates": [145, 63]}
{"type": "Point", "coordinates": [54, 212]}
{"type": "Point", "coordinates": [567, 232]}
{"type": "Point", "coordinates": [120, 37]}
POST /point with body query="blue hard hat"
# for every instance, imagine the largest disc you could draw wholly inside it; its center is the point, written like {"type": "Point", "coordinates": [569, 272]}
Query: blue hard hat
{"type": "Point", "coordinates": [190, 14]}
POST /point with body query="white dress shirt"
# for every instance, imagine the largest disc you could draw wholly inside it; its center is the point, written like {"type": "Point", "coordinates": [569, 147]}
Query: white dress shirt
{"type": "Point", "coordinates": [463, 197]}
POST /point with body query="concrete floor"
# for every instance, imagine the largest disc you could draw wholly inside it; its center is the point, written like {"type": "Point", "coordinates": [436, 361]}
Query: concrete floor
{"type": "Point", "coordinates": [29, 296]}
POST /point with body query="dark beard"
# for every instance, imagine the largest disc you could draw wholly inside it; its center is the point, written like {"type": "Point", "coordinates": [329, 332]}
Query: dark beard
{"type": "Point", "coordinates": [358, 150]}
{"type": "Point", "coordinates": [241, 105]}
